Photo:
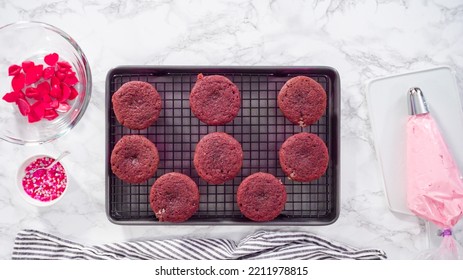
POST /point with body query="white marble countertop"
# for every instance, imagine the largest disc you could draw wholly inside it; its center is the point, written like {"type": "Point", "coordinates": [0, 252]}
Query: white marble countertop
{"type": "Point", "coordinates": [361, 39]}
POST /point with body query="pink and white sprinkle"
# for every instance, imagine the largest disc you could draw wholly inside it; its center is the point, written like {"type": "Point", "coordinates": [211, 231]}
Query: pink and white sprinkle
{"type": "Point", "coordinates": [44, 185]}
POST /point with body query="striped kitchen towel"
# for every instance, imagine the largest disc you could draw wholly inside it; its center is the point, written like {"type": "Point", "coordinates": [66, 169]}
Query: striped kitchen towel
{"type": "Point", "coordinates": [32, 244]}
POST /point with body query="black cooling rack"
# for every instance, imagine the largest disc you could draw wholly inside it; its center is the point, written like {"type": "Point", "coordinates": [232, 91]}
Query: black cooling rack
{"type": "Point", "coordinates": [260, 127]}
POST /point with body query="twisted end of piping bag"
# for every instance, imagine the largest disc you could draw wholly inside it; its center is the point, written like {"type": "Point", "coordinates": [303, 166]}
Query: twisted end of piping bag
{"type": "Point", "coordinates": [444, 232]}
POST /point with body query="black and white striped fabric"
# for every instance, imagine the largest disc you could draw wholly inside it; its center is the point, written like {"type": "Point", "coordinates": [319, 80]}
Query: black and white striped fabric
{"type": "Point", "coordinates": [32, 244]}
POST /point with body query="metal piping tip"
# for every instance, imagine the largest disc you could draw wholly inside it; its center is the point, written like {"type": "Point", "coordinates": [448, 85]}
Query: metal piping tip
{"type": "Point", "coordinates": [416, 102]}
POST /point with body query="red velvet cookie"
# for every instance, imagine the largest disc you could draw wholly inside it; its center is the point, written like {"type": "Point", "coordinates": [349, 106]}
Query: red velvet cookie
{"type": "Point", "coordinates": [218, 157]}
{"type": "Point", "coordinates": [134, 159]}
{"type": "Point", "coordinates": [302, 100]}
{"type": "Point", "coordinates": [215, 100]}
{"type": "Point", "coordinates": [304, 157]}
{"type": "Point", "coordinates": [136, 105]}
{"type": "Point", "coordinates": [174, 197]}
{"type": "Point", "coordinates": [261, 197]}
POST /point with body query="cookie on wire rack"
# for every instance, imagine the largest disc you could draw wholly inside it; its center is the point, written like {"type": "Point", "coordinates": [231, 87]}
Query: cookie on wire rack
{"type": "Point", "coordinates": [261, 197]}
{"type": "Point", "coordinates": [174, 197]}
{"type": "Point", "coordinates": [218, 157]}
{"type": "Point", "coordinates": [304, 157]}
{"type": "Point", "coordinates": [137, 105]}
{"type": "Point", "coordinates": [302, 100]}
{"type": "Point", "coordinates": [215, 100]}
{"type": "Point", "coordinates": [134, 159]}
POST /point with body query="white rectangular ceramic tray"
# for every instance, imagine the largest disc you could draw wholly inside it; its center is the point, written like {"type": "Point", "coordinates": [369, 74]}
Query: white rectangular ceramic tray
{"type": "Point", "coordinates": [388, 108]}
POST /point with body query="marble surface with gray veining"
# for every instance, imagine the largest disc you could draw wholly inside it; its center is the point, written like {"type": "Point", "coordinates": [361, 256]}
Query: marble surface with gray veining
{"type": "Point", "coordinates": [361, 39]}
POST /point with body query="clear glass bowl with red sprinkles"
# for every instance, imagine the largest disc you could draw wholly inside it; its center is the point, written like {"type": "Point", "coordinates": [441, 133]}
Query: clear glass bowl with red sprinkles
{"type": "Point", "coordinates": [45, 83]}
{"type": "Point", "coordinates": [40, 186]}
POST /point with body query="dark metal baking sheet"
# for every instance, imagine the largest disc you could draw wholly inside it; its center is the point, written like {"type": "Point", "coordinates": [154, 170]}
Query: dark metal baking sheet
{"type": "Point", "coordinates": [260, 127]}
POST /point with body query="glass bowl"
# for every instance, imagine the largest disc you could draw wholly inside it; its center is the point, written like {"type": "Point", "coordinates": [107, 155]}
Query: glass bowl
{"type": "Point", "coordinates": [32, 41]}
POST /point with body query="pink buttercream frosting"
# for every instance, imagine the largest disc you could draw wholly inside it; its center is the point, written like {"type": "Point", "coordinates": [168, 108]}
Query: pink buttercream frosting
{"type": "Point", "coordinates": [434, 183]}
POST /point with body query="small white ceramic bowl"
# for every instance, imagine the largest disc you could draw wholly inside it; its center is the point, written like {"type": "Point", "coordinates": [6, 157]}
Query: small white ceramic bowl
{"type": "Point", "coordinates": [20, 175]}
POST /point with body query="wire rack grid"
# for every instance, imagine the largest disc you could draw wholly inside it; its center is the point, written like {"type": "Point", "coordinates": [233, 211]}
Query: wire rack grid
{"type": "Point", "coordinates": [261, 129]}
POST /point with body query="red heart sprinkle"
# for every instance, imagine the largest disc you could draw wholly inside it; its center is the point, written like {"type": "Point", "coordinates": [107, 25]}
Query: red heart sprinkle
{"type": "Point", "coordinates": [71, 80]}
{"type": "Point", "coordinates": [43, 88]}
{"type": "Point", "coordinates": [27, 65]}
{"type": "Point", "coordinates": [65, 92]}
{"type": "Point", "coordinates": [55, 88]}
{"type": "Point", "coordinates": [54, 82]}
{"type": "Point", "coordinates": [32, 92]}
{"type": "Point", "coordinates": [74, 94]}
{"type": "Point", "coordinates": [60, 75]}
{"type": "Point", "coordinates": [24, 106]}
{"type": "Point", "coordinates": [30, 78]}
{"type": "Point", "coordinates": [18, 82]}
{"type": "Point", "coordinates": [48, 72]}
{"type": "Point", "coordinates": [54, 104]}
{"type": "Point", "coordinates": [11, 97]}
{"type": "Point", "coordinates": [63, 107]}
{"type": "Point", "coordinates": [64, 64]}
{"type": "Point", "coordinates": [39, 70]}
{"type": "Point", "coordinates": [46, 99]}
{"type": "Point", "coordinates": [14, 69]}
{"type": "Point", "coordinates": [34, 74]}
{"type": "Point", "coordinates": [32, 117]}
{"type": "Point", "coordinates": [50, 114]}
{"type": "Point", "coordinates": [51, 59]}
{"type": "Point", "coordinates": [55, 92]}
{"type": "Point", "coordinates": [38, 108]}
{"type": "Point", "coordinates": [36, 112]}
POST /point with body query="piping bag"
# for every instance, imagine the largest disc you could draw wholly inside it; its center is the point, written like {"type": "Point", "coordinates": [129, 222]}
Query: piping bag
{"type": "Point", "coordinates": [434, 183]}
